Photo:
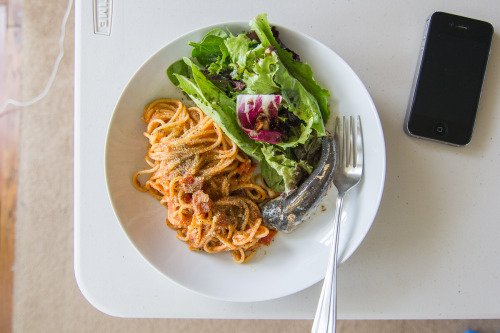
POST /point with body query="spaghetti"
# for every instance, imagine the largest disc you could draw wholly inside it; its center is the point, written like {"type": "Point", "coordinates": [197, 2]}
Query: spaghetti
{"type": "Point", "coordinates": [205, 181]}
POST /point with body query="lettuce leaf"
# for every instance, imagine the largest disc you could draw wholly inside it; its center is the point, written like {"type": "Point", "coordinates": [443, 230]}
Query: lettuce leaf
{"type": "Point", "coordinates": [210, 48]}
{"type": "Point", "coordinates": [259, 78]}
{"type": "Point", "coordinates": [238, 49]}
{"type": "Point", "coordinates": [299, 70]}
{"type": "Point", "coordinates": [288, 169]}
{"type": "Point", "coordinates": [273, 179]}
{"type": "Point", "coordinates": [178, 68]}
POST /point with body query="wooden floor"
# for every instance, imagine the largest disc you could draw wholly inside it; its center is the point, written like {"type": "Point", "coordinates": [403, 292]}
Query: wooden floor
{"type": "Point", "coordinates": [10, 87]}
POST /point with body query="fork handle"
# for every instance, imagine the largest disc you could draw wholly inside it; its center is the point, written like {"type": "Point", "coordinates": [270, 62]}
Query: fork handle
{"type": "Point", "coordinates": [326, 313]}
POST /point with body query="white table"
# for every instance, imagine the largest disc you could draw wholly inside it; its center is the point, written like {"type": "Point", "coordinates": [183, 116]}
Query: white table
{"type": "Point", "coordinates": [433, 250]}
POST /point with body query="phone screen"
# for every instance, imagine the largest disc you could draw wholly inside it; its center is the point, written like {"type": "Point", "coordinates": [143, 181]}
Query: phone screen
{"type": "Point", "coordinates": [450, 79]}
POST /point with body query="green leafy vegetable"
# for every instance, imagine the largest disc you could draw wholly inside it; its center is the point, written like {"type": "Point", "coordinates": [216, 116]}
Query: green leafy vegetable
{"type": "Point", "coordinates": [255, 63]}
{"type": "Point", "coordinates": [178, 68]}
{"type": "Point", "coordinates": [273, 179]}
{"type": "Point", "coordinates": [238, 49]}
{"type": "Point", "coordinates": [301, 71]}
{"type": "Point", "coordinates": [287, 168]}
{"type": "Point", "coordinates": [261, 79]}
{"type": "Point", "coordinates": [210, 47]}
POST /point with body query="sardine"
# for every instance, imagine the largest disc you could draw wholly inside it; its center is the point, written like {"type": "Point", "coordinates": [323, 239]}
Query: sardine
{"type": "Point", "coordinates": [286, 214]}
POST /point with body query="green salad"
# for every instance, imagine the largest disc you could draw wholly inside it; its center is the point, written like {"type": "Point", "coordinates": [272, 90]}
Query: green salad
{"type": "Point", "coordinates": [262, 96]}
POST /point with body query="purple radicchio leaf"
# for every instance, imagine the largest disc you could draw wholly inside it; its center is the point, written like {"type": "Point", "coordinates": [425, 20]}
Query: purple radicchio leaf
{"type": "Point", "coordinates": [256, 115]}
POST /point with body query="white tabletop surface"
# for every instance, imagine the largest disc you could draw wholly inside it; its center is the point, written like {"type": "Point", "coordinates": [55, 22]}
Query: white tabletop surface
{"type": "Point", "coordinates": [433, 250]}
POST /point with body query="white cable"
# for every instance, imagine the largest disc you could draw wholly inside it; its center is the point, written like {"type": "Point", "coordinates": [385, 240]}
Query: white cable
{"type": "Point", "coordinates": [45, 91]}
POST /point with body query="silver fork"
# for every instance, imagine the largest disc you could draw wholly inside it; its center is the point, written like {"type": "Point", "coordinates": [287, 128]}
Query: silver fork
{"type": "Point", "coordinates": [347, 174]}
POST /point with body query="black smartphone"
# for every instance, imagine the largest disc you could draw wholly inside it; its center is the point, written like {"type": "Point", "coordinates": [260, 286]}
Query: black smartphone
{"type": "Point", "coordinates": [449, 79]}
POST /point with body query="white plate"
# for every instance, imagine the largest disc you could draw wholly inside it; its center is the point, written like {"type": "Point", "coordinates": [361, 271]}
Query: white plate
{"type": "Point", "coordinates": [293, 261]}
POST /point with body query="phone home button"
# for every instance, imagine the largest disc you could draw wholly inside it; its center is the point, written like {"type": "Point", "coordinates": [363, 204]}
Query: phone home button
{"type": "Point", "coordinates": [440, 129]}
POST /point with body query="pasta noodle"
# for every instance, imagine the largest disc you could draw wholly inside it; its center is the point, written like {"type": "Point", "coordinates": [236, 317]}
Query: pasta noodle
{"type": "Point", "coordinates": [205, 181]}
